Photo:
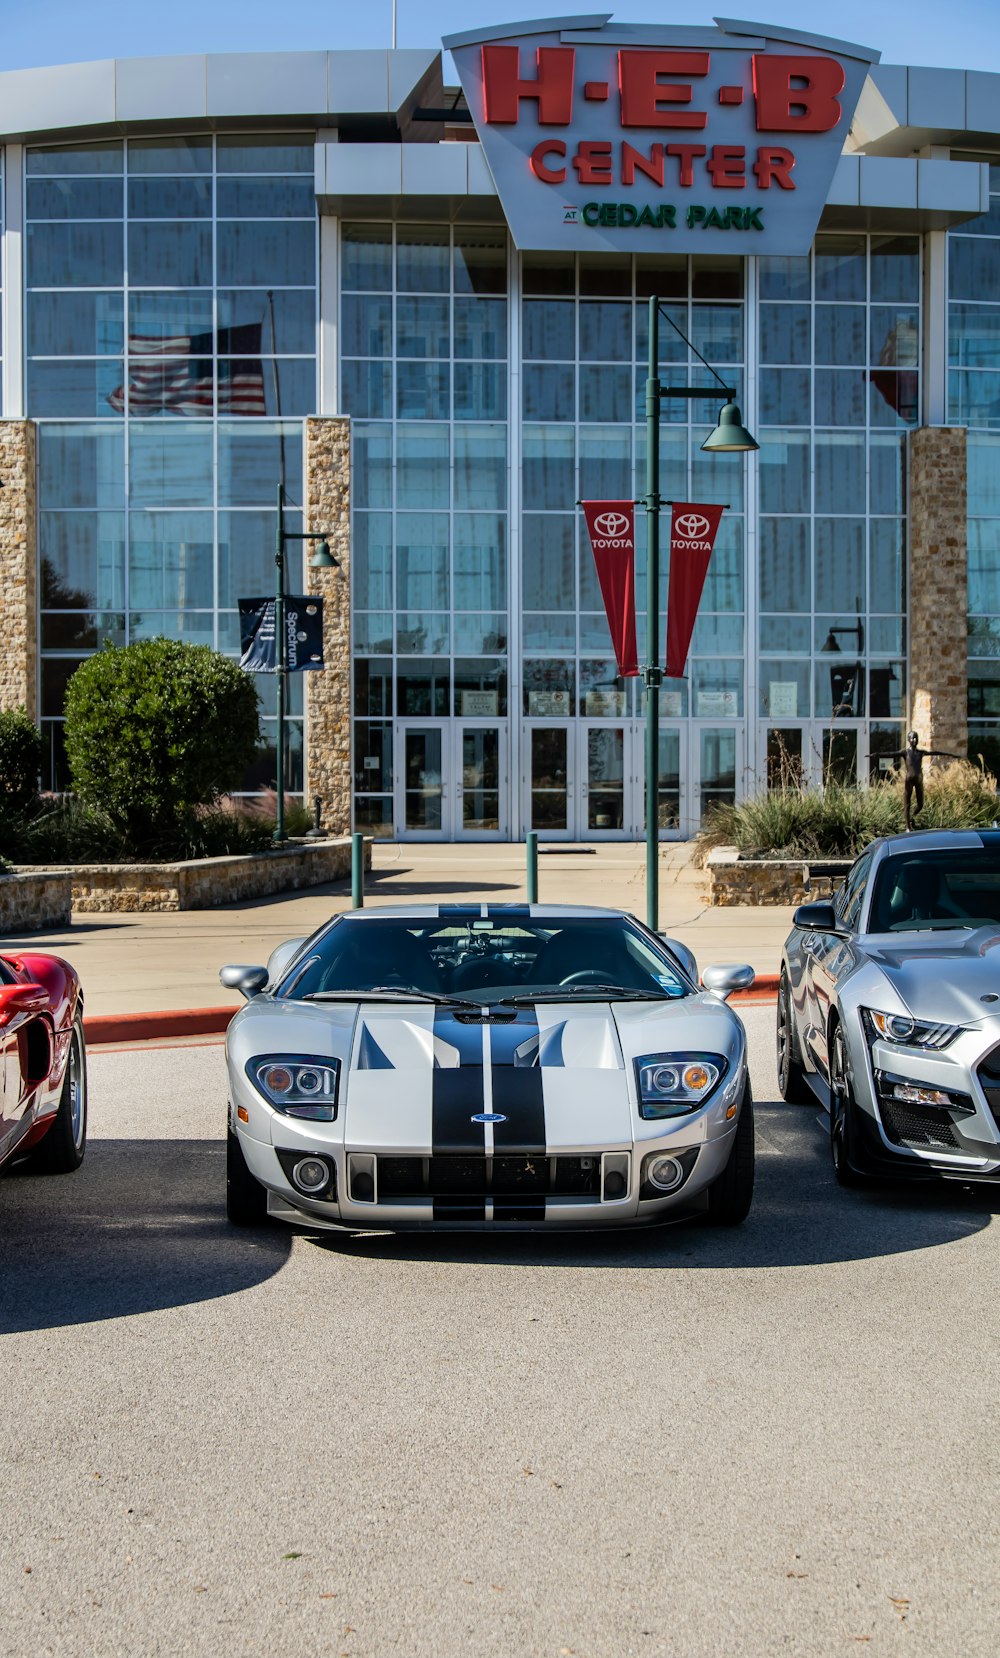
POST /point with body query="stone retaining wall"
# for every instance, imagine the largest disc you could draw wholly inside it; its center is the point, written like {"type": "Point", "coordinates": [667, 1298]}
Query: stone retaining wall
{"type": "Point", "coordinates": [34, 900]}
{"type": "Point", "coordinates": [205, 883]}
{"type": "Point", "coordinates": [733, 880]}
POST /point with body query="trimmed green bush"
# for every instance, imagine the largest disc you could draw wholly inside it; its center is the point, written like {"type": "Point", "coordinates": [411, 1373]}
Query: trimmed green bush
{"type": "Point", "coordinates": [20, 761]}
{"type": "Point", "coordinates": [839, 821]}
{"type": "Point", "coordinates": [154, 731]}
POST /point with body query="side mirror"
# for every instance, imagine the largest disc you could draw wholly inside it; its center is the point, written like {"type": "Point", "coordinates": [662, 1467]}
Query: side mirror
{"type": "Point", "coordinates": [21, 998]}
{"type": "Point", "coordinates": [247, 980]}
{"type": "Point", "coordinates": [723, 979]}
{"type": "Point", "coordinates": [816, 918]}
{"type": "Point", "coordinates": [685, 956]}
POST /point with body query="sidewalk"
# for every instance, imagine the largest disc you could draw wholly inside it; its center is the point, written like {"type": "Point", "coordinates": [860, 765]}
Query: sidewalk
{"type": "Point", "coordinates": [134, 964]}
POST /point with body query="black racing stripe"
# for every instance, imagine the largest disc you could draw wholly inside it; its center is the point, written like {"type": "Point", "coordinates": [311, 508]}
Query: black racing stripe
{"type": "Point", "coordinates": [451, 1208]}
{"type": "Point", "coordinates": [449, 911]}
{"type": "Point", "coordinates": [525, 1208]}
{"type": "Point", "coordinates": [517, 1088]}
{"type": "Point", "coordinates": [509, 912]}
{"type": "Point", "coordinates": [457, 1091]}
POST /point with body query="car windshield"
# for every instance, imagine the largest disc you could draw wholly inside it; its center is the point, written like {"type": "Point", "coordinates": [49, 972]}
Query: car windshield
{"type": "Point", "coordinates": [919, 890]}
{"type": "Point", "coordinates": [486, 959]}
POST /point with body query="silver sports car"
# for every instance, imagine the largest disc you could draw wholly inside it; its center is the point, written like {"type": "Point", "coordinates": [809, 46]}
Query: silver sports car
{"type": "Point", "coordinates": [486, 1066]}
{"type": "Point", "coordinates": [889, 1009]}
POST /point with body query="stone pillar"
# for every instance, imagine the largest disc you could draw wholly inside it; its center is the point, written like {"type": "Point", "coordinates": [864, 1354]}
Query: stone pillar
{"type": "Point", "coordinates": [328, 693]}
{"type": "Point", "coordinates": [18, 568]}
{"type": "Point", "coordinates": [938, 589]}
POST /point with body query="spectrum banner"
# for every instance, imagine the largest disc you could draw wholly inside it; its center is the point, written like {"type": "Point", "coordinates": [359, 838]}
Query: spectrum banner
{"type": "Point", "coordinates": [611, 526]}
{"type": "Point", "coordinates": [693, 528]}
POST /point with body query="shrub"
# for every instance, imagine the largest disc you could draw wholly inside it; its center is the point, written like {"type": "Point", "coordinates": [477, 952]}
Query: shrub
{"type": "Point", "coordinates": [20, 761]}
{"type": "Point", "coordinates": [154, 731]}
{"type": "Point", "coordinates": [839, 821]}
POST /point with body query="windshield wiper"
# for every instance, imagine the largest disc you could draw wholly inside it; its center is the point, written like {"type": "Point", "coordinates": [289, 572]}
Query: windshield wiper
{"type": "Point", "coordinates": [389, 993]}
{"type": "Point", "coordinates": [579, 992]}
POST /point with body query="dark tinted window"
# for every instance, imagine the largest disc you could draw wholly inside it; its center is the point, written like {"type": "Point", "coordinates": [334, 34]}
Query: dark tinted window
{"type": "Point", "coordinates": [959, 888]}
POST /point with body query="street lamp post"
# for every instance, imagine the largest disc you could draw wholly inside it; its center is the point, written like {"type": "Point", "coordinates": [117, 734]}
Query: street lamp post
{"type": "Point", "coordinates": [729, 437]}
{"type": "Point", "coordinates": [322, 559]}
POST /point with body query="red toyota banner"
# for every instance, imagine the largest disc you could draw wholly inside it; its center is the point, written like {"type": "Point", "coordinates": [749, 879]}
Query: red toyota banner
{"type": "Point", "coordinates": [693, 529]}
{"type": "Point", "coordinates": [611, 525]}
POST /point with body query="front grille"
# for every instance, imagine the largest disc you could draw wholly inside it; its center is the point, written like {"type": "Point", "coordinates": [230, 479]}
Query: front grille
{"type": "Point", "coordinates": [989, 1081]}
{"type": "Point", "coordinates": [409, 1179]}
{"type": "Point", "coordinates": [917, 1125]}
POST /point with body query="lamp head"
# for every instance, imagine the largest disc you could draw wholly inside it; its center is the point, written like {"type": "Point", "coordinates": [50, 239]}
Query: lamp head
{"type": "Point", "coordinates": [830, 642]}
{"type": "Point", "coordinates": [730, 436]}
{"type": "Point", "coordinates": [323, 559]}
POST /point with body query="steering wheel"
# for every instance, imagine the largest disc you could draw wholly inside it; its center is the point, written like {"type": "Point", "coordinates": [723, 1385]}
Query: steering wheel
{"type": "Point", "coordinates": [585, 975]}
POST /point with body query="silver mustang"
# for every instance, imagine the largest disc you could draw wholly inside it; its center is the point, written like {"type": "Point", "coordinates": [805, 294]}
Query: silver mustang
{"type": "Point", "coordinates": [486, 1066]}
{"type": "Point", "coordinates": [889, 1009]}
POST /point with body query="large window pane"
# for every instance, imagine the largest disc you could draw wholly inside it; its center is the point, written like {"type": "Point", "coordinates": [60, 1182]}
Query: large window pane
{"type": "Point", "coordinates": [61, 160]}
{"type": "Point", "coordinates": [75, 255]}
{"type": "Point", "coordinates": [785, 564]}
{"type": "Point", "coordinates": [72, 324]}
{"type": "Point", "coordinates": [422, 472]}
{"type": "Point", "coordinates": [479, 561]}
{"type": "Point", "coordinates": [480, 328]}
{"type": "Point", "coordinates": [88, 389]}
{"type": "Point", "coordinates": [80, 466]}
{"type": "Point", "coordinates": [784, 471]}
{"type": "Point", "coordinates": [366, 257]}
{"type": "Point", "coordinates": [265, 198]}
{"type": "Point", "coordinates": [281, 255]}
{"type": "Point", "coordinates": [549, 470]}
{"type": "Point", "coordinates": [548, 562]}
{"type": "Point", "coordinates": [171, 560]}
{"type": "Point", "coordinates": [170, 464]}
{"type": "Point", "coordinates": [170, 198]}
{"type": "Point", "coordinates": [840, 471]}
{"type": "Point", "coordinates": [82, 560]}
{"type": "Point", "coordinates": [273, 153]}
{"type": "Point", "coordinates": [254, 459]}
{"type": "Point", "coordinates": [246, 555]}
{"type": "Point", "coordinates": [371, 560]}
{"type": "Point", "coordinates": [285, 317]}
{"type": "Point", "coordinates": [480, 261]}
{"type": "Point", "coordinates": [423, 260]}
{"type": "Point", "coordinates": [170, 255]}
{"type": "Point", "coordinates": [422, 561]}
{"type": "Point", "coordinates": [74, 198]}
{"type": "Point", "coordinates": [481, 467]}
{"type": "Point", "coordinates": [169, 155]}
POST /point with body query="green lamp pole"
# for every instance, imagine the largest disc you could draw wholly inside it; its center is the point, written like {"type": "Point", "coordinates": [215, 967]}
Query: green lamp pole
{"type": "Point", "coordinates": [730, 437]}
{"type": "Point", "coordinates": [322, 559]}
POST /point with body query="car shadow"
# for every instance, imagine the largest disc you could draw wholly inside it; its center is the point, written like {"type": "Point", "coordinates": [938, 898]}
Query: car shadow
{"type": "Point", "coordinates": [140, 1227]}
{"type": "Point", "coordinates": [800, 1217]}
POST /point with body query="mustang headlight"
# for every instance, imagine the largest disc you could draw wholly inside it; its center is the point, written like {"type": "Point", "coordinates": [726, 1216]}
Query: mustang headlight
{"type": "Point", "coordinates": [297, 1084]}
{"type": "Point", "coordinates": [671, 1084]}
{"type": "Point", "coordinates": [906, 1032]}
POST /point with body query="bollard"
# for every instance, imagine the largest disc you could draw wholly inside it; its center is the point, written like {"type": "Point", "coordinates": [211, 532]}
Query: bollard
{"type": "Point", "coordinates": [531, 847]}
{"type": "Point", "coordinates": [357, 871]}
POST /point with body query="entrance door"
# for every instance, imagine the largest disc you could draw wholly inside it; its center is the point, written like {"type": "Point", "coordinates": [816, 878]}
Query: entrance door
{"type": "Point", "coordinates": [550, 780]}
{"type": "Point", "coordinates": [606, 773]}
{"type": "Point", "coordinates": [719, 765]}
{"type": "Point", "coordinates": [481, 770]}
{"type": "Point", "coordinates": [421, 802]}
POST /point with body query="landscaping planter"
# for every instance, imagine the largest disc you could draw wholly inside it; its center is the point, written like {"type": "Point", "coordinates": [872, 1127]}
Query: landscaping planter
{"type": "Point", "coordinates": [200, 883]}
{"type": "Point", "coordinates": [734, 879]}
{"type": "Point", "coordinates": [31, 900]}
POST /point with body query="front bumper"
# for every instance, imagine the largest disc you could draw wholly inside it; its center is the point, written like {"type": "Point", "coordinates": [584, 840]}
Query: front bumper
{"type": "Point", "coordinates": [959, 1141]}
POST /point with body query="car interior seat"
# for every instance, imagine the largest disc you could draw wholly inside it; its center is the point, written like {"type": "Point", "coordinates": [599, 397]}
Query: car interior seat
{"type": "Point", "coordinates": [377, 955]}
{"type": "Point", "coordinates": [597, 951]}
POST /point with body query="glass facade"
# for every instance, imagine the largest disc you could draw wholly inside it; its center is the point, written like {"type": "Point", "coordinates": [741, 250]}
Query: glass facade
{"type": "Point", "coordinates": [974, 401]}
{"type": "Point", "coordinates": [171, 293]}
{"type": "Point", "coordinates": [170, 329]}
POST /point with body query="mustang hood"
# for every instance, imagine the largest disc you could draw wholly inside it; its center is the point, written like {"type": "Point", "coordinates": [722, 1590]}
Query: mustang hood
{"type": "Point", "coordinates": [943, 977]}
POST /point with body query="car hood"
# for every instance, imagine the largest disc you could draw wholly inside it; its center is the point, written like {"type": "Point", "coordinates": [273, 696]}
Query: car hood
{"type": "Point", "coordinates": [554, 1076]}
{"type": "Point", "coordinates": [942, 976]}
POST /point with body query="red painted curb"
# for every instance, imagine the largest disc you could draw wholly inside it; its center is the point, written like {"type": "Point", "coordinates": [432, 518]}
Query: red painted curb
{"type": "Point", "coordinates": [102, 1028]}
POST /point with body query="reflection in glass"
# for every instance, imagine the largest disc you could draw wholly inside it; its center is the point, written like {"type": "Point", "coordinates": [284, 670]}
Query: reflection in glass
{"type": "Point", "coordinates": [480, 776]}
{"type": "Point", "coordinates": [549, 777]}
{"type": "Point", "coordinates": [422, 808]}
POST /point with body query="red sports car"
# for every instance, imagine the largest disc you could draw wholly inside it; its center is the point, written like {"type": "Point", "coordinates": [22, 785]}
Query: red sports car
{"type": "Point", "coordinates": [43, 1064]}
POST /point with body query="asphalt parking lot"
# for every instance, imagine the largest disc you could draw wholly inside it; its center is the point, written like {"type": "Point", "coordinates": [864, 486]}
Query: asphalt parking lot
{"type": "Point", "coordinates": [775, 1440]}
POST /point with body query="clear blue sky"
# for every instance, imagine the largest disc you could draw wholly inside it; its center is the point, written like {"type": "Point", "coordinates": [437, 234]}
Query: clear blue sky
{"type": "Point", "coordinates": [963, 34]}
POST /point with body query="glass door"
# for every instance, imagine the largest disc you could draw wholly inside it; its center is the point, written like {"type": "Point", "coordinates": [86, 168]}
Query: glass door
{"type": "Point", "coordinates": [606, 800]}
{"type": "Point", "coordinates": [550, 781]}
{"type": "Point", "coordinates": [719, 771]}
{"type": "Point", "coordinates": [673, 790]}
{"type": "Point", "coordinates": [421, 801]}
{"type": "Point", "coordinates": [482, 782]}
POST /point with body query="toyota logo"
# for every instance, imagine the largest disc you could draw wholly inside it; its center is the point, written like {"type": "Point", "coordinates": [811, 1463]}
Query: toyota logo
{"type": "Point", "coordinates": [611, 524]}
{"type": "Point", "coordinates": [691, 526]}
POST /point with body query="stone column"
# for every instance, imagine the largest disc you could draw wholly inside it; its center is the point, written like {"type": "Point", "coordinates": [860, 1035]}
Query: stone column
{"type": "Point", "coordinates": [18, 568]}
{"type": "Point", "coordinates": [328, 693]}
{"type": "Point", "coordinates": [938, 589]}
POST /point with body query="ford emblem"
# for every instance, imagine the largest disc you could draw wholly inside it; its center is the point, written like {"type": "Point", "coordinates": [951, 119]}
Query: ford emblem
{"type": "Point", "coordinates": [488, 1117]}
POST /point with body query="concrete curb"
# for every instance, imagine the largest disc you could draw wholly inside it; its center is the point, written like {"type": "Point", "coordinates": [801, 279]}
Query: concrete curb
{"type": "Point", "coordinates": [103, 1029]}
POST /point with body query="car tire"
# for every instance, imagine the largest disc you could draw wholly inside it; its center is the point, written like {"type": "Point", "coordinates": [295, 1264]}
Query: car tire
{"type": "Point", "coordinates": [792, 1084]}
{"type": "Point", "coordinates": [62, 1148]}
{"type": "Point", "coordinates": [843, 1117]}
{"type": "Point", "coordinates": [246, 1198]}
{"type": "Point", "coordinates": [731, 1193]}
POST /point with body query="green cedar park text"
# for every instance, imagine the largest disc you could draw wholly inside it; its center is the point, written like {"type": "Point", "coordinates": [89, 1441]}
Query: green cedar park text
{"type": "Point", "coordinates": [609, 214]}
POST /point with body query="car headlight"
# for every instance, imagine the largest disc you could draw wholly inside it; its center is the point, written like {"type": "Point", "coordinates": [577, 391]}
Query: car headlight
{"type": "Point", "coordinates": [297, 1084]}
{"type": "Point", "coordinates": [671, 1084]}
{"type": "Point", "coordinates": [906, 1032]}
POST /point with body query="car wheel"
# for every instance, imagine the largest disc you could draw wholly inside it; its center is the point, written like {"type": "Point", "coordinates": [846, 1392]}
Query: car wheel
{"type": "Point", "coordinates": [246, 1198]}
{"type": "Point", "coordinates": [65, 1141]}
{"type": "Point", "coordinates": [843, 1116]}
{"type": "Point", "coordinates": [792, 1084]}
{"type": "Point", "coordinates": [731, 1193]}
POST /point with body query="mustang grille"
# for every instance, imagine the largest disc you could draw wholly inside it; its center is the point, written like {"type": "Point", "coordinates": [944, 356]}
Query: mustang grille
{"type": "Point", "coordinates": [917, 1125]}
{"type": "Point", "coordinates": [989, 1081]}
{"type": "Point", "coordinates": [401, 1179]}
